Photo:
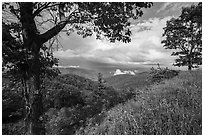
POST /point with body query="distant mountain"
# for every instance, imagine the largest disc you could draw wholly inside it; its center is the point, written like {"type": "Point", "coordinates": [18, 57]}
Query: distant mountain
{"type": "Point", "coordinates": [90, 74]}
{"type": "Point", "coordinates": [122, 81]}
{"type": "Point", "coordinates": [125, 81]}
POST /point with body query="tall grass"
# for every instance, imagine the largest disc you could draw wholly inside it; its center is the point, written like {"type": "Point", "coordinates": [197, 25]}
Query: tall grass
{"type": "Point", "coordinates": [173, 107]}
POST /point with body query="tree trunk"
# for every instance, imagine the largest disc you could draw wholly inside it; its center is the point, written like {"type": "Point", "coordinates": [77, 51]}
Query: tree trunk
{"type": "Point", "coordinates": [190, 57]}
{"type": "Point", "coordinates": [37, 126]}
{"type": "Point", "coordinates": [189, 62]}
{"type": "Point", "coordinates": [31, 42]}
{"type": "Point", "coordinates": [27, 111]}
{"type": "Point", "coordinates": [189, 67]}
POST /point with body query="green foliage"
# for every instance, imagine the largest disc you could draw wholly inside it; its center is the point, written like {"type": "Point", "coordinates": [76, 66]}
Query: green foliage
{"type": "Point", "coordinates": [12, 105]}
{"type": "Point", "coordinates": [172, 108]}
{"type": "Point", "coordinates": [72, 99]}
{"type": "Point", "coordinates": [109, 19]}
{"type": "Point", "coordinates": [69, 101]}
{"type": "Point", "coordinates": [60, 121]}
{"type": "Point", "coordinates": [17, 128]}
{"type": "Point", "coordinates": [18, 61]}
{"type": "Point", "coordinates": [159, 74]}
{"type": "Point", "coordinates": [184, 34]}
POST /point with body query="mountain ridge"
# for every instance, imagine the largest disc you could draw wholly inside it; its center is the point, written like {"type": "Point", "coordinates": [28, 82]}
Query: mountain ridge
{"type": "Point", "coordinates": [125, 81]}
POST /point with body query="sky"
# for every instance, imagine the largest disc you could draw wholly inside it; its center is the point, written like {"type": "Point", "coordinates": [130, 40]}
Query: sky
{"type": "Point", "coordinates": [143, 52]}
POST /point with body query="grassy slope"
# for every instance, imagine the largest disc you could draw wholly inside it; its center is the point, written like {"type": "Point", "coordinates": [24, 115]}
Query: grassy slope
{"type": "Point", "coordinates": [173, 107]}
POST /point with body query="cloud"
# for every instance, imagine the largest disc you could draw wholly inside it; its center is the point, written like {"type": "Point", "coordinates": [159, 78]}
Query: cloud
{"type": "Point", "coordinates": [165, 5]}
{"type": "Point", "coordinates": [145, 47]}
{"type": "Point", "coordinates": [171, 7]}
{"type": "Point", "coordinates": [65, 54]}
{"type": "Point", "coordinates": [119, 72]}
{"type": "Point", "coordinates": [59, 66]}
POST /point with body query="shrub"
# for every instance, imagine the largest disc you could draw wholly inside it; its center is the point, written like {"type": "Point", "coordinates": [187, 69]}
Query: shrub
{"type": "Point", "coordinates": [12, 105]}
{"type": "Point", "coordinates": [61, 122]}
{"type": "Point", "coordinates": [159, 74]}
{"type": "Point", "coordinates": [17, 128]}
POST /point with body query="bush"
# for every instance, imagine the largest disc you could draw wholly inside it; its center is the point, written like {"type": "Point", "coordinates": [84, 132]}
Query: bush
{"type": "Point", "coordinates": [17, 128]}
{"type": "Point", "coordinates": [159, 74]}
{"type": "Point", "coordinates": [63, 121]}
{"type": "Point", "coordinates": [12, 105]}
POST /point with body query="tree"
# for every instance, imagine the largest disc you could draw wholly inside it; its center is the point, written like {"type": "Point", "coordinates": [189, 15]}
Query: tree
{"type": "Point", "coordinates": [101, 81]}
{"type": "Point", "coordinates": [184, 34]}
{"type": "Point", "coordinates": [40, 24]}
{"type": "Point", "coordinates": [100, 88]}
{"type": "Point", "coordinates": [16, 61]}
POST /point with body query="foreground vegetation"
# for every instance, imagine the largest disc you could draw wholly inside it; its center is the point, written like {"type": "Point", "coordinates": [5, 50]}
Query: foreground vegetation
{"type": "Point", "coordinates": [68, 101]}
{"type": "Point", "coordinates": [76, 105]}
{"type": "Point", "coordinates": [171, 107]}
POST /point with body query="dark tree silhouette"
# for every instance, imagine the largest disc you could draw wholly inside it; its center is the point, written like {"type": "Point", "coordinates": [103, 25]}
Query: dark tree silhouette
{"type": "Point", "coordinates": [184, 34]}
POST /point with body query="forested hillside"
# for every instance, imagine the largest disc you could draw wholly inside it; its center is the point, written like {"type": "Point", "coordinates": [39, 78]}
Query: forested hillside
{"type": "Point", "coordinates": [125, 81]}
{"type": "Point", "coordinates": [68, 100]}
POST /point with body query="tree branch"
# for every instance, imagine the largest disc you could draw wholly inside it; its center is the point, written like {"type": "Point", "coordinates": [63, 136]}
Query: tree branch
{"type": "Point", "coordinates": [55, 30]}
{"type": "Point", "coordinates": [52, 32]}
{"type": "Point", "coordinates": [45, 6]}
{"type": "Point", "coordinates": [40, 9]}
